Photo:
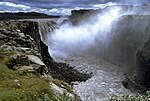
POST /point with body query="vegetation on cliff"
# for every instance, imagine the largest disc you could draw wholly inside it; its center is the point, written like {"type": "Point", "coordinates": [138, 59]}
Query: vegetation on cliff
{"type": "Point", "coordinates": [23, 74]}
{"type": "Point", "coordinates": [21, 85]}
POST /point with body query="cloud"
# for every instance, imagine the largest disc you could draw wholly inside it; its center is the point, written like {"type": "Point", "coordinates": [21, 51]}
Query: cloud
{"type": "Point", "coordinates": [56, 7]}
{"type": "Point", "coordinates": [12, 7]}
{"type": "Point", "coordinates": [68, 3]}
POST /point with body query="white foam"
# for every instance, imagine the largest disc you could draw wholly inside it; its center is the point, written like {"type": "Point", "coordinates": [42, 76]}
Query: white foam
{"type": "Point", "coordinates": [73, 39]}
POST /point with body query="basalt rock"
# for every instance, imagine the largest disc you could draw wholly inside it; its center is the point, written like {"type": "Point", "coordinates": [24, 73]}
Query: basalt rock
{"type": "Point", "coordinates": [81, 15]}
{"type": "Point", "coordinates": [143, 64]}
{"type": "Point", "coordinates": [23, 38]}
{"type": "Point", "coordinates": [65, 72]}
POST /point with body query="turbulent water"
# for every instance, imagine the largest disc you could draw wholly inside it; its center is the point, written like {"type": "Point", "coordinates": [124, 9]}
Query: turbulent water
{"type": "Point", "coordinates": [69, 42]}
{"type": "Point", "coordinates": [83, 47]}
{"type": "Point", "coordinates": [69, 39]}
{"type": "Point", "coordinates": [105, 82]}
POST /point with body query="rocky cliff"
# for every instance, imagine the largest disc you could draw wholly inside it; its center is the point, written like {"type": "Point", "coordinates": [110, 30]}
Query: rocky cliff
{"type": "Point", "coordinates": [128, 44]}
{"type": "Point", "coordinates": [29, 54]}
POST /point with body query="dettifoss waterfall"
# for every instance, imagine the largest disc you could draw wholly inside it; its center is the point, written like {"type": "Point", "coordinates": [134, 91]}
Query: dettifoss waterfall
{"type": "Point", "coordinates": [103, 46]}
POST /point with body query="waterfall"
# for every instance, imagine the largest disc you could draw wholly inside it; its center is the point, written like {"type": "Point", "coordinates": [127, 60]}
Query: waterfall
{"type": "Point", "coordinates": [115, 34]}
{"type": "Point", "coordinates": [112, 35]}
{"type": "Point", "coordinates": [45, 27]}
{"type": "Point", "coordinates": [69, 39]}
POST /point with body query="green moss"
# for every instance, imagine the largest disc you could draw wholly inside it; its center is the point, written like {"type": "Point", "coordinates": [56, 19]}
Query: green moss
{"type": "Point", "coordinates": [29, 87]}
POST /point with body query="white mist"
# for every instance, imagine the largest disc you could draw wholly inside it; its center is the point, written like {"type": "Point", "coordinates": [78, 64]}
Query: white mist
{"type": "Point", "coordinates": [69, 39]}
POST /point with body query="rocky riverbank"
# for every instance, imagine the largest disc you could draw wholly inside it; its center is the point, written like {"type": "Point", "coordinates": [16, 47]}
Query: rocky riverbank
{"type": "Point", "coordinates": [25, 60]}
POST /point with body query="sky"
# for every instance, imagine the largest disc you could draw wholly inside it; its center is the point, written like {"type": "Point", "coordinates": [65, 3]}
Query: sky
{"type": "Point", "coordinates": [57, 7]}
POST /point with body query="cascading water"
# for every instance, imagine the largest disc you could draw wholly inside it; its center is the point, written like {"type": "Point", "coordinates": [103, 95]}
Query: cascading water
{"type": "Point", "coordinates": [69, 39]}
{"type": "Point", "coordinates": [85, 45]}
{"type": "Point", "coordinates": [45, 27]}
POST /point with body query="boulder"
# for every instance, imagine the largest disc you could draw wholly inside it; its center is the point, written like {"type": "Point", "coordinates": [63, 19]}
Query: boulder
{"type": "Point", "coordinates": [60, 91]}
{"type": "Point", "coordinates": [27, 63]}
{"type": "Point", "coordinates": [35, 60]}
{"type": "Point", "coordinates": [26, 68]}
{"type": "Point", "coordinates": [19, 59]}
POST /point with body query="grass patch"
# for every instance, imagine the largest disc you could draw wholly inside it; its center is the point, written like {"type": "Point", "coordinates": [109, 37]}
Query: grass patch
{"type": "Point", "coordinates": [63, 97]}
{"type": "Point", "coordinates": [30, 87]}
{"type": "Point", "coordinates": [64, 85]}
{"type": "Point", "coordinates": [137, 97]}
{"type": "Point", "coordinates": [19, 86]}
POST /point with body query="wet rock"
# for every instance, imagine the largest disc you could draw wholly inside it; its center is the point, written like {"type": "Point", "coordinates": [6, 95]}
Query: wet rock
{"type": "Point", "coordinates": [140, 80]}
{"type": "Point", "coordinates": [143, 64]}
{"type": "Point", "coordinates": [133, 84]}
{"type": "Point", "coordinates": [64, 72]}
{"type": "Point", "coordinates": [45, 53]}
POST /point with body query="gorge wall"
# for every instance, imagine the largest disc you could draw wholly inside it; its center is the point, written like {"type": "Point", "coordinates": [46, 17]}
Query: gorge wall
{"type": "Point", "coordinates": [126, 44]}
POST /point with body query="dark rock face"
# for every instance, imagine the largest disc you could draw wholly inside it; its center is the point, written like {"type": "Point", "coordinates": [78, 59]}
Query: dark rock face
{"type": "Point", "coordinates": [32, 29]}
{"type": "Point", "coordinates": [143, 64]}
{"type": "Point", "coordinates": [81, 15]}
{"type": "Point", "coordinates": [140, 80]}
{"type": "Point", "coordinates": [44, 51]}
{"type": "Point", "coordinates": [129, 45]}
{"type": "Point", "coordinates": [23, 38]}
{"type": "Point", "coordinates": [66, 73]}
{"type": "Point", "coordinates": [131, 48]}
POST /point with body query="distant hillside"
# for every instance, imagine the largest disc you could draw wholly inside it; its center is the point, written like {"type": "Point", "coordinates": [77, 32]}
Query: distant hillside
{"type": "Point", "coordinates": [23, 15]}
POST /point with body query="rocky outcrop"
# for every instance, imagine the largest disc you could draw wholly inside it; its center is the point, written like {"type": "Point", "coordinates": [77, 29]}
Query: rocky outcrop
{"type": "Point", "coordinates": [81, 15]}
{"type": "Point", "coordinates": [130, 48]}
{"type": "Point", "coordinates": [64, 72]}
{"type": "Point", "coordinates": [139, 81]}
{"type": "Point", "coordinates": [30, 54]}
{"type": "Point", "coordinates": [143, 65]}
{"type": "Point", "coordinates": [25, 45]}
{"type": "Point", "coordinates": [23, 38]}
{"type": "Point", "coordinates": [128, 36]}
{"type": "Point", "coordinates": [24, 15]}
{"type": "Point", "coordinates": [78, 16]}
